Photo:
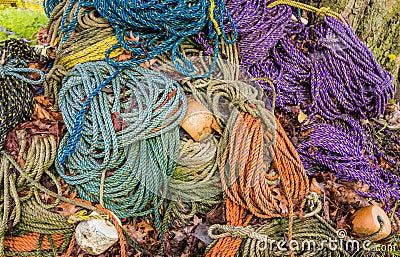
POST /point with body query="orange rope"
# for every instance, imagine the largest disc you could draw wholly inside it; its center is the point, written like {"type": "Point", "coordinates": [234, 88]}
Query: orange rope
{"type": "Point", "coordinates": [228, 246]}
{"type": "Point", "coordinates": [115, 222]}
{"type": "Point", "coordinates": [29, 242]}
{"type": "Point", "coordinates": [245, 177]}
{"type": "Point", "coordinates": [292, 175]}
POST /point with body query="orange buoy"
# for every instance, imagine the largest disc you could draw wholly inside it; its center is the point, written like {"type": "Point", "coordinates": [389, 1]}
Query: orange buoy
{"type": "Point", "coordinates": [368, 221]}
{"type": "Point", "coordinates": [198, 121]}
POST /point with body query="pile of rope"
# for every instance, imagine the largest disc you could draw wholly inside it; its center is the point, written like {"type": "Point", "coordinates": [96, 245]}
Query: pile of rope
{"type": "Point", "coordinates": [28, 226]}
{"type": "Point", "coordinates": [312, 234]}
{"type": "Point", "coordinates": [248, 144]}
{"type": "Point", "coordinates": [92, 37]}
{"type": "Point", "coordinates": [125, 149]}
{"type": "Point", "coordinates": [16, 95]}
{"type": "Point", "coordinates": [331, 75]}
{"type": "Point", "coordinates": [326, 60]}
{"type": "Point", "coordinates": [160, 27]}
{"type": "Point", "coordinates": [350, 155]}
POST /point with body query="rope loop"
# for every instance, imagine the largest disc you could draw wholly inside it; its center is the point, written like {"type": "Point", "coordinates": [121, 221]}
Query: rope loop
{"type": "Point", "coordinates": [235, 232]}
{"type": "Point", "coordinates": [6, 70]}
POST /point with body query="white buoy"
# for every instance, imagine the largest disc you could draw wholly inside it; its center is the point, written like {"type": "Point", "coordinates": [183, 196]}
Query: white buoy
{"type": "Point", "coordinates": [96, 235]}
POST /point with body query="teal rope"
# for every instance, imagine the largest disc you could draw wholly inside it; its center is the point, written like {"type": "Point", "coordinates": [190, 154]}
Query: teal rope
{"type": "Point", "coordinates": [16, 72]}
{"type": "Point", "coordinates": [139, 159]}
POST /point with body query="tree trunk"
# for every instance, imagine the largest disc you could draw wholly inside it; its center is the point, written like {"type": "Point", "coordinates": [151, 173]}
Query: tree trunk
{"type": "Point", "coordinates": [377, 24]}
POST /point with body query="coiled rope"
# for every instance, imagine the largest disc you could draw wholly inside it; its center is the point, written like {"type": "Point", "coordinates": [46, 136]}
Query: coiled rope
{"type": "Point", "coordinates": [245, 148]}
{"type": "Point", "coordinates": [50, 5]}
{"type": "Point", "coordinates": [128, 143]}
{"type": "Point", "coordinates": [346, 152]}
{"type": "Point", "coordinates": [16, 97]}
{"type": "Point", "coordinates": [346, 69]}
{"type": "Point", "coordinates": [325, 64]}
{"type": "Point", "coordinates": [309, 236]}
{"type": "Point", "coordinates": [92, 38]}
{"type": "Point", "coordinates": [329, 73]}
{"type": "Point", "coordinates": [196, 186]}
{"type": "Point", "coordinates": [36, 230]}
{"type": "Point", "coordinates": [161, 27]}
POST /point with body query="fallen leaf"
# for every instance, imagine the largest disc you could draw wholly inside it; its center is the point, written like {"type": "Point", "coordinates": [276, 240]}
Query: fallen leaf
{"type": "Point", "coordinates": [145, 226]}
{"type": "Point", "coordinates": [135, 234]}
{"type": "Point", "coordinates": [315, 187]}
{"type": "Point", "coordinates": [44, 100]}
{"type": "Point", "coordinates": [126, 56]}
{"type": "Point", "coordinates": [41, 113]}
{"type": "Point", "coordinates": [66, 209]}
{"type": "Point", "coordinates": [343, 223]}
{"type": "Point", "coordinates": [117, 122]}
{"type": "Point", "coordinates": [147, 64]}
{"type": "Point", "coordinates": [302, 116]}
{"type": "Point", "coordinates": [197, 220]}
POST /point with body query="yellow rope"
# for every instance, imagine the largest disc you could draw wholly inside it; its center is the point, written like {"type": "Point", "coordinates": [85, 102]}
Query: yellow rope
{"type": "Point", "coordinates": [319, 11]}
{"type": "Point", "coordinates": [212, 18]}
{"type": "Point", "coordinates": [94, 52]}
{"type": "Point", "coordinates": [83, 215]}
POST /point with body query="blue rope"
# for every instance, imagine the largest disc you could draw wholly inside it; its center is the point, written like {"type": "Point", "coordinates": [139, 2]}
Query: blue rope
{"type": "Point", "coordinates": [49, 5]}
{"type": "Point", "coordinates": [162, 26]}
{"type": "Point", "coordinates": [16, 72]}
{"type": "Point", "coordinates": [137, 159]}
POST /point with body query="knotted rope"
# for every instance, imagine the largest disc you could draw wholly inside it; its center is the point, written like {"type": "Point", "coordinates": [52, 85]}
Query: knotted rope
{"type": "Point", "coordinates": [161, 27]}
{"type": "Point", "coordinates": [246, 145]}
{"type": "Point", "coordinates": [245, 149]}
{"type": "Point", "coordinates": [124, 149]}
{"type": "Point", "coordinates": [16, 97]}
{"type": "Point", "coordinates": [329, 73]}
{"type": "Point", "coordinates": [35, 229]}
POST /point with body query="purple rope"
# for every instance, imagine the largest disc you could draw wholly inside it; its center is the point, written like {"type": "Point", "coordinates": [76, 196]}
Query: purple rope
{"type": "Point", "coordinates": [345, 153]}
{"type": "Point", "coordinates": [346, 77]}
{"type": "Point", "coordinates": [327, 71]}
{"type": "Point", "coordinates": [338, 73]}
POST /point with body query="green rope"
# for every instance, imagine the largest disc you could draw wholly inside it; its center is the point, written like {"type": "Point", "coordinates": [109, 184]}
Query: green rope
{"type": "Point", "coordinates": [195, 177]}
{"type": "Point", "coordinates": [21, 203]}
{"type": "Point", "coordinates": [311, 236]}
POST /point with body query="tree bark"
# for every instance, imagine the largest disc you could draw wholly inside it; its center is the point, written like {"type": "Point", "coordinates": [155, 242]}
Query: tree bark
{"type": "Point", "coordinates": [377, 24]}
